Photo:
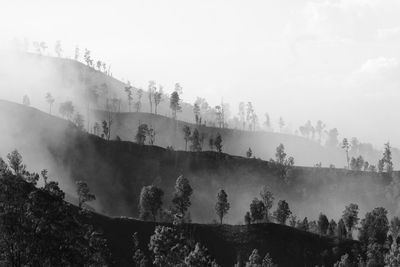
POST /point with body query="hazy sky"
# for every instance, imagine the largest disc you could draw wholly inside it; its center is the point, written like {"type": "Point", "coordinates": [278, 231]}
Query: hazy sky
{"type": "Point", "coordinates": [337, 61]}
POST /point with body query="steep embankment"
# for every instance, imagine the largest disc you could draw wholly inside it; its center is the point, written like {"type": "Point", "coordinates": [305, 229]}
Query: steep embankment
{"type": "Point", "coordinates": [230, 244]}
{"type": "Point", "coordinates": [116, 171]}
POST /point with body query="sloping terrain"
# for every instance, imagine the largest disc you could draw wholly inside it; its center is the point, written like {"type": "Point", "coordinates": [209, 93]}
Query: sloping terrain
{"type": "Point", "coordinates": [117, 170]}
{"type": "Point", "coordinates": [68, 79]}
{"type": "Point", "coordinates": [235, 142]}
{"type": "Point", "coordinates": [230, 244]}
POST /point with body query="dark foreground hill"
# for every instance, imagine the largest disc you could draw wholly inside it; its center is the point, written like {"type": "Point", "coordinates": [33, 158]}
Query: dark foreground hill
{"type": "Point", "coordinates": [116, 172]}
{"type": "Point", "coordinates": [230, 244]}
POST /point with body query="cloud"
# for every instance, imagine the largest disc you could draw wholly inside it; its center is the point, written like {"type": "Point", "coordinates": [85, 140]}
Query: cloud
{"type": "Point", "coordinates": [376, 77]}
{"type": "Point", "coordinates": [380, 65]}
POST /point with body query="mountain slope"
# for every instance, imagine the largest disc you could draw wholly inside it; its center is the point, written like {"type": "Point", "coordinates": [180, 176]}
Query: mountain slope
{"type": "Point", "coordinates": [117, 170]}
{"type": "Point", "coordinates": [68, 79]}
{"type": "Point", "coordinates": [229, 244]}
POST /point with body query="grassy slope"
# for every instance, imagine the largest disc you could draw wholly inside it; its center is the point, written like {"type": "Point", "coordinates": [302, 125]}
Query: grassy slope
{"type": "Point", "coordinates": [229, 244]}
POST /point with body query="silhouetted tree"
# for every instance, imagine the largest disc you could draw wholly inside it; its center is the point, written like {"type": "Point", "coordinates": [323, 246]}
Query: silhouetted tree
{"type": "Point", "coordinates": [26, 101]}
{"type": "Point", "coordinates": [218, 143]}
{"type": "Point", "coordinates": [247, 218]}
{"type": "Point", "coordinates": [45, 177]}
{"type": "Point", "coordinates": [292, 220]}
{"type": "Point", "coordinates": [304, 225]}
{"type": "Point", "coordinates": [356, 164]}
{"type": "Point", "coordinates": [199, 257]}
{"type": "Point", "coordinates": [57, 48]}
{"type": "Point", "coordinates": [196, 111]}
{"type": "Point", "coordinates": [87, 58]}
{"type": "Point", "coordinates": [282, 212]}
{"type": "Point", "coordinates": [249, 153]}
{"type": "Point", "coordinates": [332, 228]}
{"type": "Point", "coordinates": [15, 162]}
{"type": "Point", "coordinates": [141, 134]}
{"type": "Point", "coordinates": [242, 114]}
{"type": "Point", "coordinates": [211, 143]}
{"type": "Point", "coordinates": [268, 199]}
{"type": "Point", "coordinates": [79, 121]}
{"type": "Point", "coordinates": [323, 224]}
{"type": "Point", "coordinates": [128, 91]}
{"type": "Point", "coordinates": [151, 89]}
{"type": "Point", "coordinates": [346, 147]}
{"type": "Point", "coordinates": [267, 122]}
{"type": "Point", "coordinates": [222, 206]}
{"type": "Point", "coordinates": [195, 140]}
{"type": "Point", "coordinates": [186, 132]}
{"type": "Point", "coordinates": [66, 109]}
{"type": "Point", "coordinates": [183, 191]}
{"type": "Point", "coordinates": [83, 193]}
{"type": "Point", "coordinates": [157, 97]}
{"type": "Point", "coordinates": [255, 260]}
{"type": "Point", "coordinates": [174, 104]}
{"type": "Point", "coordinates": [366, 166]}
{"type": "Point", "coordinates": [319, 128]}
{"type": "Point", "coordinates": [283, 164]}
{"type": "Point", "coordinates": [150, 201]}
{"type": "Point", "coordinates": [257, 210]}
{"type": "Point", "coordinates": [50, 99]}
{"type": "Point", "coordinates": [374, 226]}
{"type": "Point", "coordinates": [138, 103]}
{"type": "Point", "coordinates": [106, 131]}
{"type": "Point", "coordinates": [387, 158]}
{"type": "Point", "coordinates": [381, 165]}
{"type": "Point", "coordinates": [341, 229]}
{"type": "Point", "coordinates": [332, 140]}
{"type": "Point", "coordinates": [350, 218]}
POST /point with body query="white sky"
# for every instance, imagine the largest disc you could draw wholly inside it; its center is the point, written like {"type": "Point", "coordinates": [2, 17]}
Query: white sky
{"type": "Point", "coordinates": [336, 60]}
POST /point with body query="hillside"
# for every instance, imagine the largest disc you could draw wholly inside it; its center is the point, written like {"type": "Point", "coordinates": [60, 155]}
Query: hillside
{"type": "Point", "coordinates": [229, 244]}
{"type": "Point", "coordinates": [235, 142]}
{"type": "Point", "coordinates": [117, 170]}
{"type": "Point", "coordinates": [68, 79]}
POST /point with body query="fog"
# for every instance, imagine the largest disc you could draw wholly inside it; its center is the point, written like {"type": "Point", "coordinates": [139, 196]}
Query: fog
{"type": "Point", "coordinates": [300, 61]}
{"type": "Point", "coordinates": [289, 58]}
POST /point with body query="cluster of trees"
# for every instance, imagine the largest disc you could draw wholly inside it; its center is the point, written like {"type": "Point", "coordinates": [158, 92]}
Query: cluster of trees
{"type": "Point", "coordinates": [313, 132]}
{"type": "Point", "coordinates": [385, 164]}
{"type": "Point", "coordinates": [41, 47]}
{"type": "Point", "coordinates": [255, 260]}
{"type": "Point", "coordinates": [143, 132]}
{"type": "Point", "coordinates": [282, 163]}
{"type": "Point", "coordinates": [247, 116]}
{"type": "Point", "coordinates": [379, 241]}
{"type": "Point", "coordinates": [171, 246]}
{"type": "Point", "coordinates": [197, 139]}
{"type": "Point", "coordinates": [260, 209]}
{"type": "Point", "coordinates": [151, 204]}
{"type": "Point", "coordinates": [38, 228]}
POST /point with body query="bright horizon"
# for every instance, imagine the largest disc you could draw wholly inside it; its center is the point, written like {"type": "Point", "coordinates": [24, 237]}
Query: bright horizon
{"type": "Point", "coordinates": [337, 61]}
